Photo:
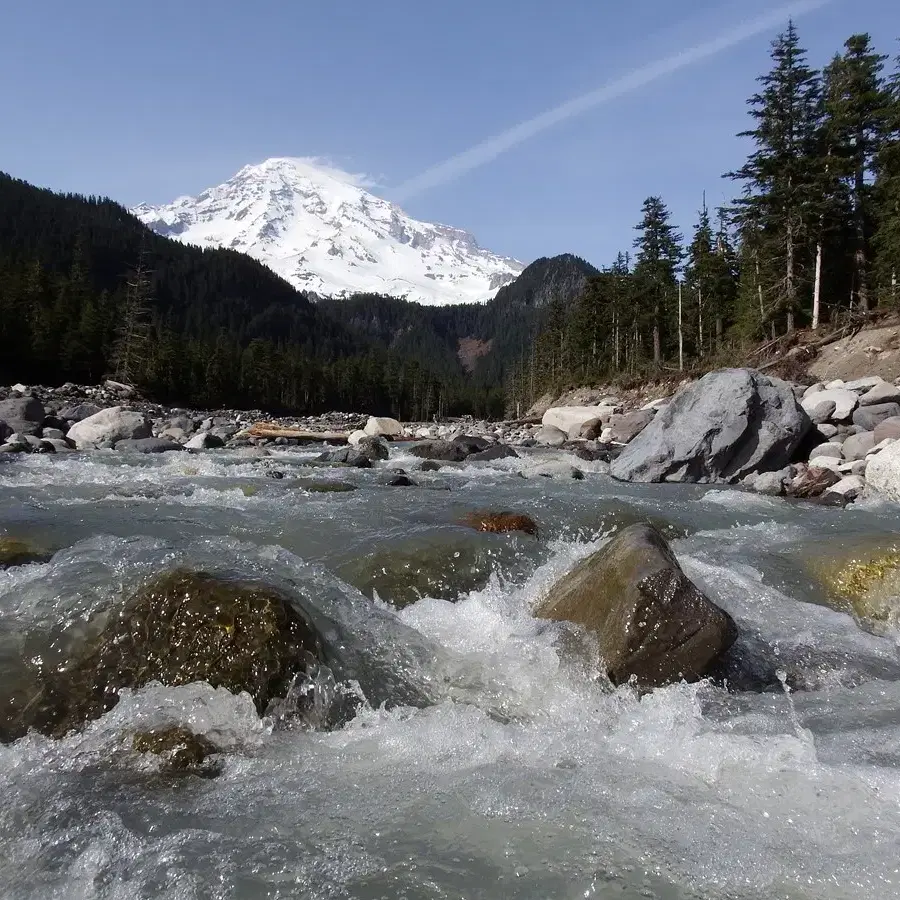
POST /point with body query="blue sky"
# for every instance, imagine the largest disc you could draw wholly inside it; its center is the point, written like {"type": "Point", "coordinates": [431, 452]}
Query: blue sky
{"type": "Point", "coordinates": [149, 101]}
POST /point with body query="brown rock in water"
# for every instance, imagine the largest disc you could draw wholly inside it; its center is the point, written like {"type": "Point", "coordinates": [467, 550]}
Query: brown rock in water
{"type": "Point", "coordinates": [180, 628]}
{"type": "Point", "coordinates": [181, 751]}
{"type": "Point", "coordinates": [812, 482]}
{"type": "Point", "coordinates": [500, 522]}
{"type": "Point", "coordinates": [651, 621]}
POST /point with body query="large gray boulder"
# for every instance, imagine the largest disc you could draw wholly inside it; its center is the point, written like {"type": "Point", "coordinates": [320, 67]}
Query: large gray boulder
{"type": "Point", "coordinates": [382, 426]}
{"type": "Point", "coordinates": [651, 621]}
{"type": "Point", "coordinates": [883, 472]}
{"type": "Point", "coordinates": [24, 415]}
{"type": "Point", "coordinates": [720, 429]}
{"type": "Point", "coordinates": [109, 425]}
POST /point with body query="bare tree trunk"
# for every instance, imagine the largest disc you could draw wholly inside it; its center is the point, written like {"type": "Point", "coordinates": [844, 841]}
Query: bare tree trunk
{"type": "Point", "coordinates": [790, 287]}
{"type": "Point", "coordinates": [759, 290]}
{"type": "Point", "coordinates": [817, 289]}
{"type": "Point", "coordinates": [859, 256]}
{"type": "Point", "coordinates": [680, 333]}
{"type": "Point", "coordinates": [616, 338]}
{"type": "Point", "coordinates": [700, 320]}
{"type": "Point", "coordinates": [657, 350]}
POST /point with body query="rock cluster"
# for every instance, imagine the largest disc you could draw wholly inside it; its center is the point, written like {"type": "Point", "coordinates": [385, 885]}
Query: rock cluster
{"type": "Point", "coordinates": [830, 442]}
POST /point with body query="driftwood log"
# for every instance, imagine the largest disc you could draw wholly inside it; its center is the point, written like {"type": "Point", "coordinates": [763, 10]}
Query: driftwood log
{"type": "Point", "coordinates": [274, 430]}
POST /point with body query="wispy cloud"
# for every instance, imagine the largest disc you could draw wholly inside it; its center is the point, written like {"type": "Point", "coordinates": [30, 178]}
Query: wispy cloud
{"type": "Point", "coordinates": [490, 149]}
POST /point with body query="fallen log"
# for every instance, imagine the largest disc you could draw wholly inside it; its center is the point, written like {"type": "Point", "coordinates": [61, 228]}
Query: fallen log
{"type": "Point", "coordinates": [274, 430]}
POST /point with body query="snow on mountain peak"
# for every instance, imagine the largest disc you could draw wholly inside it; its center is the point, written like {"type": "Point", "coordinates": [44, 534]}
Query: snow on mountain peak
{"type": "Point", "coordinates": [320, 229]}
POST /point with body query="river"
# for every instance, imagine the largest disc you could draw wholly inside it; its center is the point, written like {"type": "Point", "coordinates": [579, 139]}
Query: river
{"type": "Point", "coordinates": [524, 775]}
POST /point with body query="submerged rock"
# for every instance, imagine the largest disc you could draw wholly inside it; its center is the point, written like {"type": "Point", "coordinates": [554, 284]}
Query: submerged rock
{"type": "Point", "coordinates": [14, 552]}
{"type": "Point", "coordinates": [500, 522]}
{"type": "Point", "coordinates": [181, 752]}
{"type": "Point", "coordinates": [149, 445]}
{"type": "Point", "coordinates": [402, 480]}
{"type": "Point", "coordinates": [445, 451]}
{"type": "Point", "coordinates": [865, 582]}
{"type": "Point", "coordinates": [652, 623]}
{"type": "Point", "coordinates": [498, 451]}
{"type": "Point", "coordinates": [323, 487]}
{"type": "Point", "coordinates": [373, 448]}
{"type": "Point", "coordinates": [724, 427]}
{"type": "Point", "coordinates": [443, 564]}
{"type": "Point", "coordinates": [180, 628]}
{"type": "Point", "coordinates": [347, 456]}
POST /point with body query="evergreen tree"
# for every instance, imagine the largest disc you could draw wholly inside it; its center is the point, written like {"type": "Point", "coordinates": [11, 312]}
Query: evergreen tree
{"type": "Point", "coordinates": [776, 208]}
{"type": "Point", "coordinates": [887, 199]}
{"type": "Point", "coordinates": [700, 279]}
{"type": "Point", "coordinates": [658, 258]}
{"type": "Point", "coordinates": [855, 107]}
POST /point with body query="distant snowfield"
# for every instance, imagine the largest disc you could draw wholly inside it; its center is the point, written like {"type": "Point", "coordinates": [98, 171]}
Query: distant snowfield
{"type": "Point", "coordinates": [319, 228]}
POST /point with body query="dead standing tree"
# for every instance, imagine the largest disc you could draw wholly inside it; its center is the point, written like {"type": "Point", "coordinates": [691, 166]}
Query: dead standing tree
{"type": "Point", "coordinates": [131, 352]}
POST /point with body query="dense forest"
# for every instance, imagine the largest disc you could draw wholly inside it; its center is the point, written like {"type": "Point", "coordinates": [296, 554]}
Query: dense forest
{"type": "Point", "coordinates": [87, 292]}
{"type": "Point", "coordinates": [812, 240]}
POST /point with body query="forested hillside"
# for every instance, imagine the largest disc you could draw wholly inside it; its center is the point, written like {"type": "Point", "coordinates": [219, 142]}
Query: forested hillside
{"type": "Point", "coordinates": [812, 239]}
{"type": "Point", "coordinates": [87, 291]}
{"type": "Point", "coordinates": [505, 328]}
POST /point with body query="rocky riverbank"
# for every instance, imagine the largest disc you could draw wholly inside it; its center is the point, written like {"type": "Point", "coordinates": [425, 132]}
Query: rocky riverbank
{"type": "Point", "coordinates": [828, 442]}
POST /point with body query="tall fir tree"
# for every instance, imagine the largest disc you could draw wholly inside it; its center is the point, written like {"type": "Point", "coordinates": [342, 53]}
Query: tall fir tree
{"type": "Point", "coordinates": [659, 255]}
{"type": "Point", "coordinates": [887, 200]}
{"type": "Point", "coordinates": [776, 208]}
{"type": "Point", "coordinates": [855, 108]}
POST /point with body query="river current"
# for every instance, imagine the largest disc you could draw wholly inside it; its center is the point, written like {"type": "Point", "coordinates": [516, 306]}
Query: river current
{"type": "Point", "coordinates": [524, 775]}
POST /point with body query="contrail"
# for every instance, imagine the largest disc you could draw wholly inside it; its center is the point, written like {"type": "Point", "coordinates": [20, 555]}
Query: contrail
{"type": "Point", "coordinates": [491, 148]}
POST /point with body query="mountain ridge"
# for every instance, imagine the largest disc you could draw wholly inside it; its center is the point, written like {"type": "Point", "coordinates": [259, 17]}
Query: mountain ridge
{"type": "Point", "coordinates": [321, 230]}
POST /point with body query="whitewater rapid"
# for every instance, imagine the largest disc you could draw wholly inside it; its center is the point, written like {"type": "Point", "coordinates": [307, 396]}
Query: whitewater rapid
{"type": "Point", "coordinates": [524, 775]}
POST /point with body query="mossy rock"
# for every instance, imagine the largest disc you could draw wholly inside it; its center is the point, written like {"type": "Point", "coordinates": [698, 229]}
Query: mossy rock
{"type": "Point", "coordinates": [181, 752]}
{"type": "Point", "coordinates": [442, 565]}
{"type": "Point", "coordinates": [14, 552]}
{"type": "Point", "coordinates": [180, 628]}
{"type": "Point", "coordinates": [867, 583]}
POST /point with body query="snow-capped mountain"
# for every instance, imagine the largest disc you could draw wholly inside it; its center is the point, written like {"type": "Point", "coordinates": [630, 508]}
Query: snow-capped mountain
{"type": "Point", "coordinates": [321, 230]}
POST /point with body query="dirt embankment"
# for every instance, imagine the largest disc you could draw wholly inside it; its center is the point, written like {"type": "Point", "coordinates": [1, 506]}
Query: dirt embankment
{"type": "Point", "coordinates": [805, 356]}
{"type": "Point", "coordinates": [872, 351]}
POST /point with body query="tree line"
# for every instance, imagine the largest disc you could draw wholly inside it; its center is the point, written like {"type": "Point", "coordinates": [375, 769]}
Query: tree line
{"type": "Point", "coordinates": [811, 240]}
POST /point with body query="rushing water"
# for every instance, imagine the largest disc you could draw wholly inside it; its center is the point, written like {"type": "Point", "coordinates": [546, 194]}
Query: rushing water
{"type": "Point", "coordinates": [524, 775]}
